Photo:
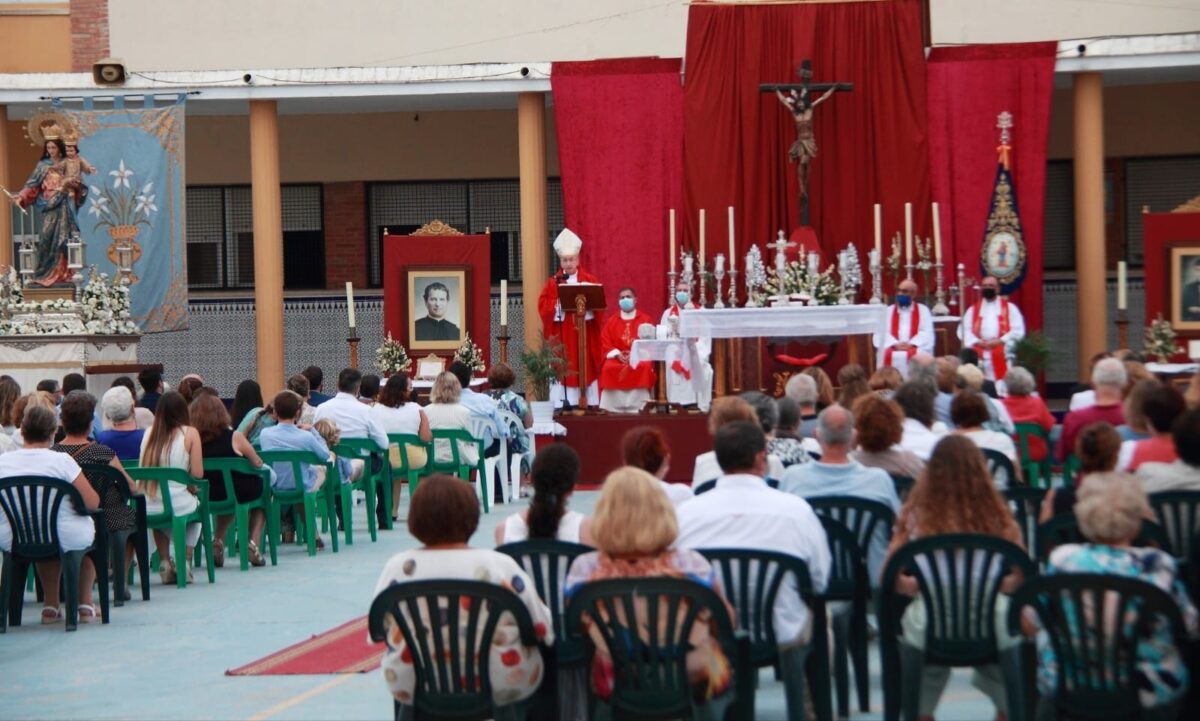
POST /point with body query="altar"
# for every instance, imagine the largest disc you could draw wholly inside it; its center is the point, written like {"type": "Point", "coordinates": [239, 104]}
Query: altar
{"type": "Point", "coordinates": [99, 358]}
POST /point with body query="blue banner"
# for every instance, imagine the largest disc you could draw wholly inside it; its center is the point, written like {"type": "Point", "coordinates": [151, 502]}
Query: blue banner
{"type": "Point", "coordinates": [1003, 253]}
{"type": "Point", "coordinates": [136, 196]}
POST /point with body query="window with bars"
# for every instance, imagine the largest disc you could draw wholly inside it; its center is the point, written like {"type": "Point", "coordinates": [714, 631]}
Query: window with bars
{"type": "Point", "coordinates": [220, 237]}
{"type": "Point", "coordinates": [472, 206]}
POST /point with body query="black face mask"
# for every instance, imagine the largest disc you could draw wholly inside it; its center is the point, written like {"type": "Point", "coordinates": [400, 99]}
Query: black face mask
{"type": "Point", "coordinates": [989, 293]}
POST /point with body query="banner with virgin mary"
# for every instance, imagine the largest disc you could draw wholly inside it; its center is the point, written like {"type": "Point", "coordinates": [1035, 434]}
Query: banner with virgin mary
{"type": "Point", "coordinates": [132, 212]}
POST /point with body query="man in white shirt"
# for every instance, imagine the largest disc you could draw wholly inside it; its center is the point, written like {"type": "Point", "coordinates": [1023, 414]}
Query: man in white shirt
{"type": "Point", "coordinates": [483, 407]}
{"type": "Point", "coordinates": [992, 327]}
{"type": "Point", "coordinates": [837, 474]}
{"type": "Point", "coordinates": [354, 420]}
{"type": "Point", "coordinates": [906, 330]}
{"type": "Point", "coordinates": [921, 433]}
{"type": "Point", "coordinates": [744, 512]}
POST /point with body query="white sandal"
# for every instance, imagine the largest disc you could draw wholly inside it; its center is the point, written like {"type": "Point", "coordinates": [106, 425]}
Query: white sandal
{"type": "Point", "coordinates": [91, 616]}
{"type": "Point", "coordinates": [54, 616]}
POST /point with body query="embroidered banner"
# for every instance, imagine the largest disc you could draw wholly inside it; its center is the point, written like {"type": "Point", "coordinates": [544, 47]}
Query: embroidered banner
{"type": "Point", "coordinates": [136, 197]}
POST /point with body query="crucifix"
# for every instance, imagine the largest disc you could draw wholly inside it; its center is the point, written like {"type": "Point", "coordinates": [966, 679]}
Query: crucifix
{"type": "Point", "coordinates": [798, 100]}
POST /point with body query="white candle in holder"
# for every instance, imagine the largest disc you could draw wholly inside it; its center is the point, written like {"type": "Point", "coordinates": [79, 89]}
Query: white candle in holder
{"type": "Point", "coordinates": [878, 228]}
{"type": "Point", "coordinates": [702, 240]}
{"type": "Point", "coordinates": [731, 250]}
{"type": "Point", "coordinates": [350, 301]}
{"type": "Point", "coordinates": [503, 302]}
{"type": "Point", "coordinates": [1121, 294]}
{"type": "Point", "coordinates": [672, 251]}
{"type": "Point", "coordinates": [908, 233]}
{"type": "Point", "coordinates": [937, 234]}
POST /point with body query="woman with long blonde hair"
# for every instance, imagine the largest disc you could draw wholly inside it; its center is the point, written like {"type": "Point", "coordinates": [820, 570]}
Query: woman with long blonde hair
{"type": "Point", "coordinates": [955, 494]}
{"type": "Point", "coordinates": [172, 442]}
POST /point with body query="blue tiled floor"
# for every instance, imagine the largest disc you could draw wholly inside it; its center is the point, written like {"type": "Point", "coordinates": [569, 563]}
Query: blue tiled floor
{"type": "Point", "coordinates": [166, 659]}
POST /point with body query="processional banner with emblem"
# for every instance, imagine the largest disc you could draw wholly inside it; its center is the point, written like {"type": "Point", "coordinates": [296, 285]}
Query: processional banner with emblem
{"type": "Point", "coordinates": [1003, 254]}
{"type": "Point", "coordinates": [134, 203]}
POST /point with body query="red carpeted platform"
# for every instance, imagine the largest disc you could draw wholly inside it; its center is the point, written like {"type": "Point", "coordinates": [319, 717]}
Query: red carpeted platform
{"type": "Point", "coordinates": [344, 649]}
{"type": "Point", "coordinates": [597, 440]}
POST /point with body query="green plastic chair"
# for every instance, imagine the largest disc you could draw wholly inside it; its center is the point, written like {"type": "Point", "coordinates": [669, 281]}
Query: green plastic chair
{"type": "Point", "coordinates": [959, 576]}
{"type": "Point", "coordinates": [370, 482]}
{"type": "Point", "coordinates": [413, 475]}
{"type": "Point", "coordinates": [650, 679]}
{"type": "Point", "coordinates": [241, 511]}
{"type": "Point", "coordinates": [849, 582]}
{"type": "Point", "coordinates": [903, 484]}
{"type": "Point", "coordinates": [1001, 468]}
{"type": "Point", "coordinates": [1179, 515]}
{"type": "Point", "coordinates": [322, 499]}
{"type": "Point", "coordinates": [453, 681]}
{"type": "Point", "coordinates": [31, 505]}
{"type": "Point", "coordinates": [107, 475]}
{"type": "Point", "coordinates": [456, 465]}
{"type": "Point", "coordinates": [1037, 473]}
{"type": "Point", "coordinates": [1070, 469]}
{"type": "Point", "coordinates": [177, 525]}
{"type": "Point", "coordinates": [1098, 675]}
{"type": "Point", "coordinates": [752, 581]}
{"type": "Point", "coordinates": [1025, 502]}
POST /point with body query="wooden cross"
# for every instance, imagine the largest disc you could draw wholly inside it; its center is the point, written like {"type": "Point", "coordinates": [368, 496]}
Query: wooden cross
{"type": "Point", "coordinates": [799, 102]}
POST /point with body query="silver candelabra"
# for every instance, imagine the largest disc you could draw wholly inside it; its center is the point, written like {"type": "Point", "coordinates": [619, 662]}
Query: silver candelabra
{"type": "Point", "coordinates": [703, 287]}
{"type": "Point", "coordinates": [939, 308]}
{"type": "Point", "coordinates": [733, 302]}
{"type": "Point", "coordinates": [718, 275]}
{"type": "Point", "coordinates": [671, 283]}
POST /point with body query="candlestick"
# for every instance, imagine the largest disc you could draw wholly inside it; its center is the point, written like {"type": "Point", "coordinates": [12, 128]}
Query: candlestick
{"type": "Point", "coordinates": [878, 229]}
{"type": "Point", "coordinates": [503, 303]}
{"type": "Point", "coordinates": [719, 275]}
{"type": "Point", "coordinates": [962, 290]}
{"type": "Point", "coordinates": [875, 265]}
{"type": "Point", "coordinates": [350, 304]}
{"type": "Point", "coordinates": [353, 341]}
{"type": "Point", "coordinates": [703, 286]}
{"type": "Point", "coordinates": [503, 339]}
{"type": "Point", "coordinates": [908, 236]}
{"type": "Point", "coordinates": [1122, 328]}
{"type": "Point", "coordinates": [732, 252]}
{"type": "Point", "coordinates": [702, 245]}
{"type": "Point", "coordinates": [732, 285]}
{"type": "Point", "coordinates": [671, 283]}
{"type": "Point", "coordinates": [1121, 298]}
{"type": "Point", "coordinates": [939, 308]}
{"type": "Point", "coordinates": [937, 237]}
{"type": "Point", "coordinates": [672, 251]}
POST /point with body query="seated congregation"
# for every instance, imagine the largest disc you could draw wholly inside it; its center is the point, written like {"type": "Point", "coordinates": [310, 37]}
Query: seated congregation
{"type": "Point", "coordinates": [970, 530]}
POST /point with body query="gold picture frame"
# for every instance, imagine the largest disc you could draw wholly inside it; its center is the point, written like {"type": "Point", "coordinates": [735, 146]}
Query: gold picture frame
{"type": "Point", "coordinates": [430, 367]}
{"type": "Point", "coordinates": [1184, 287]}
{"type": "Point", "coordinates": [433, 290]}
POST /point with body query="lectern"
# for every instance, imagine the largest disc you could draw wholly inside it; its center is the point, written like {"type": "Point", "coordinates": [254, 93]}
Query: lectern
{"type": "Point", "coordinates": [579, 299]}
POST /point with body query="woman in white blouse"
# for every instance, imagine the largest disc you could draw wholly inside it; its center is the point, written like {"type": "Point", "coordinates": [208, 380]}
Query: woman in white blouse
{"type": "Point", "coordinates": [444, 412]}
{"type": "Point", "coordinates": [172, 442]}
{"type": "Point", "coordinates": [397, 412]}
{"type": "Point", "coordinates": [969, 411]}
{"type": "Point", "coordinates": [554, 474]}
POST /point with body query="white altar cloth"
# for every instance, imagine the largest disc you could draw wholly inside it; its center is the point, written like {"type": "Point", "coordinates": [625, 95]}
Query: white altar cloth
{"type": "Point", "coordinates": [793, 321]}
{"type": "Point", "coordinates": [683, 350]}
{"type": "Point", "coordinates": [32, 358]}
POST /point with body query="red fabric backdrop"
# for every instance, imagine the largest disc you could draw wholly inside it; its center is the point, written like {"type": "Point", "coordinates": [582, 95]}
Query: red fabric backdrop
{"type": "Point", "coordinates": [968, 87]}
{"type": "Point", "coordinates": [1161, 232]}
{"type": "Point", "coordinates": [619, 125]}
{"type": "Point", "coordinates": [871, 141]}
{"type": "Point", "coordinates": [402, 251]}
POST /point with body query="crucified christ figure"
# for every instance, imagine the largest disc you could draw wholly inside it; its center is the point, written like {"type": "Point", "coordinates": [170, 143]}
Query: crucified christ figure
{"type": "Point", "coordinates": [805, 148]}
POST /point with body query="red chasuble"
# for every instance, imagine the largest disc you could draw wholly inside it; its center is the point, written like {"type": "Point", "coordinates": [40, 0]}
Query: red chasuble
{"type": "Point", "coordinates": [564, 331]}
{"type": "Point", "coordinates": [619, 334]}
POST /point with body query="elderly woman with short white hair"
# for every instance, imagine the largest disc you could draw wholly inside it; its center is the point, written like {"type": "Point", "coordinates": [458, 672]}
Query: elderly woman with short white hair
{"type": "Point", "coordinates": [1024, 405]}
{"type": "Point", "coordinates": [1110, 508]}
{"type": "Point", "coordinates": [445, 412]}
{"type": "Point", "coordinates": [122, 433]}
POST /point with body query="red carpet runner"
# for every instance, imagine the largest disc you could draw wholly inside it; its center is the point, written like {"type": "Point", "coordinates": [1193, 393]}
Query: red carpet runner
{"type": "Point", "coordinates": [339, 650]}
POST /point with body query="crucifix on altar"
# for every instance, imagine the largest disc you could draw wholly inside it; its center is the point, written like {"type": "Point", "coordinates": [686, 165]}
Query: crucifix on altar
{"type": "Point", "coordinates": [797, 98]}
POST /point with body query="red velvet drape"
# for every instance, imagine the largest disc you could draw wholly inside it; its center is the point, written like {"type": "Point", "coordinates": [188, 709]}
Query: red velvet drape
{"type": "Point", "coordinates": [968, 87]}
{"type": "Point", "coordinates": [620, 154]}
{"type": "Point", "coordinates": [871, 142]}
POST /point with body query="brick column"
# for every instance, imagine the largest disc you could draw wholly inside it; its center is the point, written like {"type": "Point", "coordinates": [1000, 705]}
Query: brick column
{"type": "Point", "coordinates": [346, 234]}
{"type": "Point", "coordinates": [89, 33]}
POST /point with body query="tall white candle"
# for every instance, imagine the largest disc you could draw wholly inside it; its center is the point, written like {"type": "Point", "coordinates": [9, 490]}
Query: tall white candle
{"type": "Point", "coordinates": [702, 240]}
{"type": "Point", "coordinates": [908, 233]}
{"type": "Point", "coordinates": [1121, 299]}
{"type": "Point", "coordinates": [672, 251]}
{"type": "Point", "coordinates": [731, 250]}
{"type": "Point", "coordinates": [503, 302]}
{"type": "Point", "coordinates": [350, 301]}
{"type": "Point", "coordinates": [878, 228]}
{"type": "Point", "coordinates": [937, 234]}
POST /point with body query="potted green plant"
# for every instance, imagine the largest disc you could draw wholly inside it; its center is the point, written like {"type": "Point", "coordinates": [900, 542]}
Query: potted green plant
{"type": "Point", "coordinates": [543, 366]}
{"type": "Point", "coordinates": [1033, 352]}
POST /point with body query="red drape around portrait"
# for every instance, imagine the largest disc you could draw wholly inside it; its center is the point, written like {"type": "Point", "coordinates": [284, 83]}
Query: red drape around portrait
{"type": "Point", "coordinates": [968, 87]}
{"type": "Point", "coordinates": [871, 141]}
{"type": "Point", "coordinates": [619, 125]}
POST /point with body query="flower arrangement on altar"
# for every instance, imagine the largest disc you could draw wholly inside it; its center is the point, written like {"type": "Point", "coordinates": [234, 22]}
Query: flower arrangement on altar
{"type": "Point", "coordinates": [798, 279]}
{"type": "Point", "coordinates": [103, 309]}
{"type": "Point", "coordinates": [470, 355]}
{"type": "Point", "coordinates": [756, 277]}
{"type": "Point", "coordinates": [105, 305]}
{"type": "Point", "coordinates": [1160, 339]}
{"type": "Point", "coordinates": [391, 357]}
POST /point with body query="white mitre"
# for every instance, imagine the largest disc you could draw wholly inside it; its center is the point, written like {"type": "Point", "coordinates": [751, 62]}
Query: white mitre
{"type": "Point", "coordinates": [567, 243]}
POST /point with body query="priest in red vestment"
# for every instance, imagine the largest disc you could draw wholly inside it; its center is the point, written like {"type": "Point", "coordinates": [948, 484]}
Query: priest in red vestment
{"type": "Point", "coordinates": [560, 325]}
{"type": "Point", "coordinates": [624, 389]}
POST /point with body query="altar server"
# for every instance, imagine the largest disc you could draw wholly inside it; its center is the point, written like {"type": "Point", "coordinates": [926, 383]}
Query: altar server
{"type": "Point", "coordinates": [907, 330]}
{"type": "Point", "coordinates": [624, 389]}
{"type": "Point", "coordinates": [559, 325]}
{"type": "Point", "coordinates": [992, 327]}
{"type": "Point", "coordinates": [680, 388]}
